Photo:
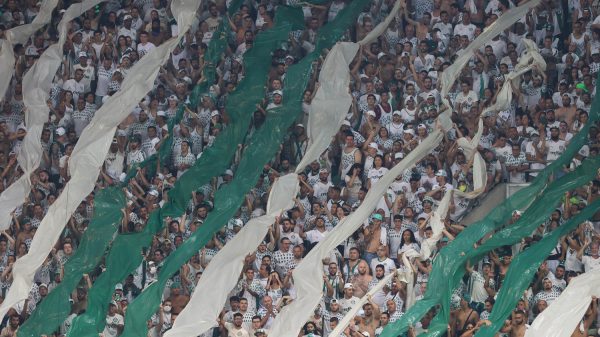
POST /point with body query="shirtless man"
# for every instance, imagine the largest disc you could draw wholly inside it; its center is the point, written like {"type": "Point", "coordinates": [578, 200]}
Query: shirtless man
{"type": "Point", "coordinates": [372, 315]}
{"type": "Point", "coordinates": [463, 316]}
{"type": "Point", "coordinates": [361, 281]}
{"type": "Point", "coordinates": [586, 321]}
{"type": "Point", "coordinates": [515, 327]}
{"type": "Point", "coordinates": [178, 300]}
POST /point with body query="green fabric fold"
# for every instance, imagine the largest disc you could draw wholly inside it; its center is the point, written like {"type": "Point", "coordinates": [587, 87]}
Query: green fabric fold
{"type": "Point", "coordinates": [56, 307]}
{"type": "Point", "coordinates": [214, 160]}
{"type": "Point", "coordinates": [523, 268]}
{"type": "Point", "coordinates": [451, 259]}
{"type": "Point", "coordinates": [535, 215]}
{"type": "Point", "coordinates": [262, 147]}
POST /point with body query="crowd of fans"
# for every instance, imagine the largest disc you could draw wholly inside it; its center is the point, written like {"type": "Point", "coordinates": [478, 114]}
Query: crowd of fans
{"type": "Point", "coordinates": [396, 101]}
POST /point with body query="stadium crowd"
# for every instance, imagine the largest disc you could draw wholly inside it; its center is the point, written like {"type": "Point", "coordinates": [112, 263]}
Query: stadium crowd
{"type": "Point", "coordinates": [396, 99]}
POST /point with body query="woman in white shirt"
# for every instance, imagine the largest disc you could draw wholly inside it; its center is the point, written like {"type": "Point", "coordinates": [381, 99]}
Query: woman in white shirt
{"type": "Point", "coordinates": [376, 172]}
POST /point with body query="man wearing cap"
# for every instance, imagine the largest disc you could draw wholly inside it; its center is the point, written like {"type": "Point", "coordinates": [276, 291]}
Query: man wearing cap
{"type": "Point", "coordinates": [375, 236]}
{"type": "Point", "coordinates": [332, 309]}
{"type": "Point", "coordinates": [114, 321]}
{"type": "Point", "coordinates": [349, 300]}
{"type": "Point", "coordinates": [88, 71]}
{"type": "Point", "coordinates": [127, 29]}
{"type": "Point", "coordinates": [549, 293]}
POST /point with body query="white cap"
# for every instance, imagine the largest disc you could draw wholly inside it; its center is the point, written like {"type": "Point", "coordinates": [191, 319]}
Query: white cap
{"type": "Point", "coordinates": [441, 173]}
{"type": "Point", "coordinates": [82, 54]}
{"type": "Point", "coordinates": [348, 286]}
{"type": "Point", "coordinates": [371, 113]}
{"type": "Point", "coordinates": [153, 193]}
{"type": "Point", "coordinates": [396, 112]}
{"type": "Point", "coordinates": [346, 122]}
{"type": "Point", "coordinates": [380, 55]}
{"type": "Point", "coordinates": [422, 126]}
{"type": "Point", "coordinates": [127, 17]}
{"type": "Point", "coordinates": [161, 113]}
{"type": "Point", "coordinates": [60, 131]}
{"type": "Point", "coordinates": [409, 131]}
{"type": "Point", "coordinates": [214, 113]}
{"type": "Point", "coordinates": [278, 92]}
{"type": "Point", "coordinates": [300, 125]}
{"type": "Point", "coordinates": [399, 155]}
{"type": "Point", "coordinates": [174, 98]}
{"type": "Point", "coordinates": [421, 190]}
{"type": "Point", "coordinates": [229, 172]}
{"type": "Point", "coordinates": [238, 222]}
{"type": "Point", "coordinates": [374, 145]}
{"type": "Point", "coordinates": [43, 285]}
{"type": "Point", "coordinates": [408, 98]}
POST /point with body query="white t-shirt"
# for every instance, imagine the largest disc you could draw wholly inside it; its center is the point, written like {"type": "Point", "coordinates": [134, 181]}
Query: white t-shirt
{"type": "Point", "coordinates": [77, 88]}
{"type": "Point", "coordinates": [555, 149]}
{"type": "Point", "coordinates": [232, 331]}
{"type": "Point", "coordinates": [110, 330]}
{"type": "Point", "coordinates": [590, 264]}
{"type": "Point", "coordinates": [467, 101]}
{"type": "Point", "coordinates": [376, 174]}
{"type": "Point", "coordinates": [468, 30]}
{"type": "Point", "coordinates": [145, 49]}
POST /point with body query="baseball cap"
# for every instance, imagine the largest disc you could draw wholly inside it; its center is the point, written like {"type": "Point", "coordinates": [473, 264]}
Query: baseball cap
{"type": "Point", "coordinates": [60, 131]}
{"type": "Point", "coordinates": [373, 145]}
{"type": "Point", "coordinates": [161, 113]}
{"type": "Point", "coordinates": [127, 17]}
{"type": "Point", "coordinates": [441, 173]}
{"type": "Point", "coordinates": [82, 54]}
{"type": "Point", "coordinates": [348, 286]}
{"type": "Point", "coordinates": [377, 216]}
{"type": "Point", "coordinates": [408, 98]}
{"type": "Point", "coordinates": [396, 112]}
{"type": "Point", "coordinates": [229, 172]}
{"type": "Point", "coordinates": [371, 113]}
{"type": "Point", "coordinates": [278, 92]}
{"type": "Point", "coordinates": [346, 122]}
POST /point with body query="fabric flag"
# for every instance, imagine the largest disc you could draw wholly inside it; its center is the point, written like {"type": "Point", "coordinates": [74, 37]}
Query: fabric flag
{"type": "Point", "coordinates": [504, 22]}
{"type": "Point", "coordinates": [55, 308]}
{"type": "Point", "coordinates": [522, 270]}
{"type": "Point", "coordinates": [88, 156]}
{"type": "Point", "coordinates": [204, 306]}
{"type": "Point", "coordinates": [263, 146]}
{"type": "Point", "coordinates": [37, 83]}
{"type": "Point", "coordinates": [21, 34]}
{"type": "Point", "coordinates": [403, 276]}
{"type": "Point", "coordinates": [452, 258]}
{"type": "Point", "coordinates": [564, 315]}
{"type": "Point", "coordinates": [213, 161]}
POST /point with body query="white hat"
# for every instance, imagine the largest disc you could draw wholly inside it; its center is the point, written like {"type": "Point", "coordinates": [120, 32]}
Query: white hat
{"type": "Point", "coordinates": [421, 190]}
{"type": "Point", "coordinates": [127, 17]}
{"type": "Point", "coordinates": [374, 145]}
{"type": "Point", "coordinates": [396, 112]}
{"type": "Point", "coordinates": [348, 286]}
{"type": "Point", "coordinates": [229, 172]}
{"type": "Point", "coordinates": [43, 285]}
{"type": "Point", "coordinates": [238, 222]}
{"type": "Point", "coordinates": [365, 334]}
{"type": "Point", "coordinates": [60, 131]}
{"type": "Point", "coordinates": [82, 54]}
{"type": "Point", "coordinates": [173, 98]}
{"type": "Point", "coordinates": [346, 122]}
{"type": "Point", "coordinates": [371, 113]}
{"type": "Point", "coordinates": [408, 98]}
{"type": "Point", "coordinates": [300, 125]}
{"type": "Point", "coordinates": [422, 126]}
{"type": "Point", "coordinates": [441, 173]}
{"type": "Point", "coordinates": [153, 193]}
{"type": "Point", "coordinates": [399, 155]}
{"type": "Point", "coordinates": [214, 113]}
{"type": "Point", "coordinates": [161, 113]}
{"type": "Point", "coordinates": [278, 92]}
{"type": "Point", "coordinates": [409, 131]}
{"type": "Point", "coordinates": [380, 55]}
